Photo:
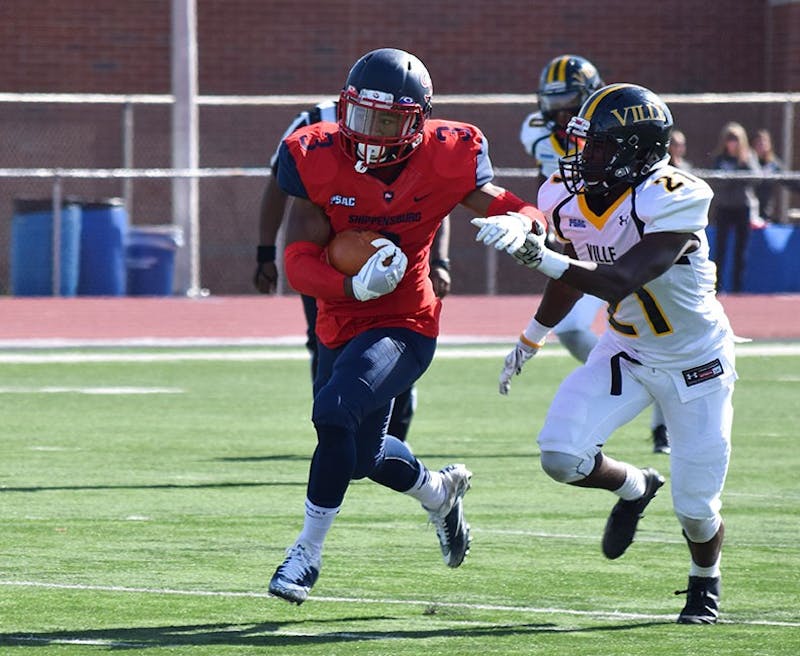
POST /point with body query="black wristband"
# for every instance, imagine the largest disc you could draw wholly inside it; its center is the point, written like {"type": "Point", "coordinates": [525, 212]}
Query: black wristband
{"type": "Point", "coordinates": [265, 254]}
{"type": "Point", "coordinates": [442, 263]}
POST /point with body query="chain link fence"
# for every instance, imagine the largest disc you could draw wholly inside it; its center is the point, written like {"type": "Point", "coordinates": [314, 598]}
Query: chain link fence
{"type": "Point", "coordinates": [100, 147]}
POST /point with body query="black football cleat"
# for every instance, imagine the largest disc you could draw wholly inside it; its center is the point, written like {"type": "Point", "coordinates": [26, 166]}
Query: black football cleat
{"type": "Point", "coordinates": [702, 601]}
{"type": "Point", "coordinates": [625, 516]}
{"type": "Point", "coordinates": [661, 440]}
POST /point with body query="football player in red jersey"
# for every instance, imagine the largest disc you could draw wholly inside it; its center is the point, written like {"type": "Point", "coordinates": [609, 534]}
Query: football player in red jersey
{"type": "Point", "coordinates": [384, 166]}
{"type": "Point", "coordinates": [265, 279]}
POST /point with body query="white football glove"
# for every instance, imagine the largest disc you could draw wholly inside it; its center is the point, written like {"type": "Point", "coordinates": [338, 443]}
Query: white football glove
{"type": "Point", "coordinates": [381, 273]}
{"type": "Point", "coordinates": [503, 231]}
{"type": "Point", "coordinates": [521, 353]}
{"type": "Point", "coordinates": [531, 251]}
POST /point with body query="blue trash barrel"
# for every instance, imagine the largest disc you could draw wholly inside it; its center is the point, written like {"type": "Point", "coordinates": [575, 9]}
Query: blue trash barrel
{"type": "Point", "coordinates": [150, 259]}
{"type": "Point", "coordinates": [32, 247]}
{"type": "Point", "coordinates": [104, 226]}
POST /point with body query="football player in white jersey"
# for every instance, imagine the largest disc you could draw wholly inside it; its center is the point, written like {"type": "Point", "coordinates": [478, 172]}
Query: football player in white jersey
{"type": "Point", "coordinates": [634, 232]}
{"type": "Point", "coordinates": [564, 84]}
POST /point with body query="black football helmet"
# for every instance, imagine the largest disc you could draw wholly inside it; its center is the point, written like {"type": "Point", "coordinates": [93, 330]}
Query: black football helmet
{"type": "Point", "coordinates": [564, 84]}
{"type": "Point", "coordinates": [383, 107]}
{"type": "Point", "coordinates": [620, 132]}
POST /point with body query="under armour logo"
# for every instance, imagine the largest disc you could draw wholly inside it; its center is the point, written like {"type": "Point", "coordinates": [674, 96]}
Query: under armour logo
{"type": "Point", "coordinates": [388, 196]}
{"type": "Point", "coordinates": [623, 219]}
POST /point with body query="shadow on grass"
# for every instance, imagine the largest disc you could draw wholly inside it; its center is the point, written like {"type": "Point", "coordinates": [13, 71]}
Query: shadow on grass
{"type": "Point", "coordinates": [154, 486]}
{"type": "Point", "coordinates": [423, 456]}
{"type": "Point", "coordinates": [284, 634]}
{"type": "Point", "coordinates": [276, 458]}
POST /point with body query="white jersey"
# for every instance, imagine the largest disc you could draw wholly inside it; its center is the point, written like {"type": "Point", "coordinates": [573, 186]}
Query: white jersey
{"type": "Point", "coordinates": [674, 321]}
{"type": "Point", "coordinates": [540, 142]}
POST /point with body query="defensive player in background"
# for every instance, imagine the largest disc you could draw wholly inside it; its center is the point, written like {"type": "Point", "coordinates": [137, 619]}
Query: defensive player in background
{"type": "Point", "coordinates": [634, 229]}
{"type": "Point", "coordinates": [564, 84]}
{"type": "Point", "coordinates": [385, 166]}
{"type": "Point", "coordinates": [265, 279]}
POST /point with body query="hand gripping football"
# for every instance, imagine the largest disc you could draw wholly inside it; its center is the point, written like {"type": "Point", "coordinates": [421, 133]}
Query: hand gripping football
{"type": "Point", "coordinates": [350, 249]}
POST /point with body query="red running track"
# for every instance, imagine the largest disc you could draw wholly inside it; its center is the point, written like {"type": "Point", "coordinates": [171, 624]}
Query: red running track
{"type": "Point", "coordinates": [762, 317]}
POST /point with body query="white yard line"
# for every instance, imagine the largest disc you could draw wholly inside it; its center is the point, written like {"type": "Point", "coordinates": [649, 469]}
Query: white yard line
{"type": "Point", "coordinates": [92, 390]}
{"type": "Point", "coordinates": [445, 351]}
{"type": "Point", "coordinates": [500, 608]}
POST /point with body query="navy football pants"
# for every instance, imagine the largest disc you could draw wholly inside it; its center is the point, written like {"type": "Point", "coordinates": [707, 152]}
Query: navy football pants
{"type": "Point", "coordinates": [353, 393]}
{"type": "Point", "coordinates": [404, 403]}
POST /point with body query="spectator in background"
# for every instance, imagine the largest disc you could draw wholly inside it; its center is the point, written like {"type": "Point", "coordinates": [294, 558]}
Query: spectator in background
{"type": "Point", "coordinates": [769, 163]}
{"type": "Point", "coordinates": [735, 203]}
{"type": "Point", "coordinates": [677, 151]}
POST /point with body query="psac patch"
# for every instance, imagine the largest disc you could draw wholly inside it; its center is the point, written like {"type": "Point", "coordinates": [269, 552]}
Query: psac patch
{"type": "Point", "coordinates": [703, 373]}
{"type": "Point", "coordinates": [348, 201]}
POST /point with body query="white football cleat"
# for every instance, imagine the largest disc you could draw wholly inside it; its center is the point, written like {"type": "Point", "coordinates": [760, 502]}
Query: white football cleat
{"type": "Point", "coordinates": [295, 577]}
{"type": "Point", "coordinates": [448, 519]}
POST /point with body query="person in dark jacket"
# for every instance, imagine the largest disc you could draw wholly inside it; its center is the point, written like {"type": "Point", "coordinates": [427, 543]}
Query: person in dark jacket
{"type": "Point", "coordinates": [735, 204]}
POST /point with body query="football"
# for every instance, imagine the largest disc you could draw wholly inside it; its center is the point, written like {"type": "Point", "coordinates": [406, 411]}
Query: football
{"type": "Point", "coordinates": [350, 249]}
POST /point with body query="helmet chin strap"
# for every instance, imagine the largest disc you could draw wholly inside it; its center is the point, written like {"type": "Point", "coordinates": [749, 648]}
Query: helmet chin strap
{"type": "Point", "coordinates": [361, 165]}
{"type": "Point", "coordinates": [369, 154]}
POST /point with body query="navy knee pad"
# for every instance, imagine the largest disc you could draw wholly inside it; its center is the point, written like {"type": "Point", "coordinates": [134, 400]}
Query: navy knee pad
{"type": "Point", "coordinates": [331, 409]}
{"type": "Point", "coordinates": [332, 466]}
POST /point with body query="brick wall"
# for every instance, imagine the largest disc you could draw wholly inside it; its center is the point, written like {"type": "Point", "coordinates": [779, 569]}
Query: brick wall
{"type": "Point", "coordinates": [784, 47]}
{"type": "Point", "coordinates": [271, 46]}
{"type": "Point", "coordinates": [275, 47]}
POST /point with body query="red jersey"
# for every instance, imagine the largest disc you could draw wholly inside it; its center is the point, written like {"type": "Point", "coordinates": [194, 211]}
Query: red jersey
{"type": "Point", "coordinates": [451, 162]}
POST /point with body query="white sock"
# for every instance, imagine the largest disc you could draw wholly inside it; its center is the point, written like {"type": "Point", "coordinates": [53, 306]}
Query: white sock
{"type": "Point", "coordinates": [317, 523]}
{"type": "Point", "coordinates": [707, 572]}
{"type": "Point", "coordinates": [634, 485]}
{"type": "Point", "coordinates": [429, 489]}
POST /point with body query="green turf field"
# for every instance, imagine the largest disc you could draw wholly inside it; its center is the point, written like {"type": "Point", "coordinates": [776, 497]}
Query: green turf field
{"type": "Point", "coordinates": [145, 504]}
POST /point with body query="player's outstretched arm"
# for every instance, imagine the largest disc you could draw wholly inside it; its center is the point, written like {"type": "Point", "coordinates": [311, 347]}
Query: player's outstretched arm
{"type": "Point", "coordinates": [648, 259]}
{"type": "Point", "coordinates": [503, 218]}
